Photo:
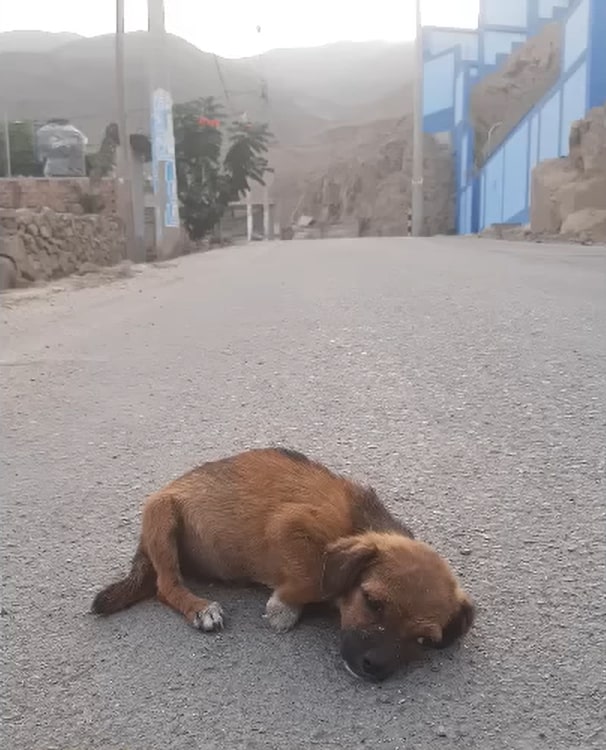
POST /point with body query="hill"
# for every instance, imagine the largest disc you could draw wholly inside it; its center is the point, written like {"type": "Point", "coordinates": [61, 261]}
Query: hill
{"type": "Point", "coordinates": [34, 41]}
{"type": "Point", "coordinates": [55, 75]}
{"type": "Point", "coordinates": [329, 107]}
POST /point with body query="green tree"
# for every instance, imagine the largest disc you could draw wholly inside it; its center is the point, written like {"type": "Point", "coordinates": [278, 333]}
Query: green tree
{"type": "Point", "coordinates": [211, 172]}
{"type": "Point", "coordinates": [23, 154]}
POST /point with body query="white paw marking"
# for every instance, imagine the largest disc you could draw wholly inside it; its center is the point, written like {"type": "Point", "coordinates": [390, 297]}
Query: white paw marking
{"type": "Point", "coordinates": [280, 616]}
{"type": "Point", "coordinates": [209, 619]}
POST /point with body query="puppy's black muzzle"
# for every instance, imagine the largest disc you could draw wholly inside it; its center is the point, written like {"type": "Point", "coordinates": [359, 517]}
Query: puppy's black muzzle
{"type": "Point", "coordinates": [369, 654]}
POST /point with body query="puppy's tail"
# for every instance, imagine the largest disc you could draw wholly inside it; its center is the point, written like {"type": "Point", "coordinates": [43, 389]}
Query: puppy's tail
{"type": "Point", "coordinates": [138, 585]}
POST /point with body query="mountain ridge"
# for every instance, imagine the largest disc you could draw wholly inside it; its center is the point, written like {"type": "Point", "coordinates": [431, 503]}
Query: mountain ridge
{"type": "Point", "coordinates": [310, 89]}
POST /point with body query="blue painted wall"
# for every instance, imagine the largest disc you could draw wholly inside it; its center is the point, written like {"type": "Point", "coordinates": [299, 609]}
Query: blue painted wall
{"type": "Point", "coordinates": [439, 92]}
{"type": "Point", "coordinates": [436, 95]}
{"type": "Point", "coordinates": [454, 59]}
{"type": "Point", "coordinates": [575, 34]}
{"type": "Point", "coordinates": [549, 138]}
{"type": "Point", "coordinates": [501, 13]}
{"type": "Point", "coordinates": [597, 59]}
{"type": "Point", "coordinates": [438, 40]}
{"type": "Point", "coordinates": [547, 8]}
{"type": "Point", "coordinates": [574, 103]}
{"type": "Point", "coordinates": [515, 173]}
{"type": "Point", "coordinates": [497, 43]}
{"type": "Point", "coordinates": [544, 132]}
{"type": "Point", "coordinates": [500, 191]}
{"type": "Point", "coordinates": [533, 146]}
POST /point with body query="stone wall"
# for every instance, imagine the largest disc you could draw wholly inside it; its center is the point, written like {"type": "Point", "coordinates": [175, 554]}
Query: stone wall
{"type": "Point", "coordinates": [46, 244]}
{"type": "Point", "coordinates": [63, 195]}
{"type": "Point", "coordinates": [568, 196]}
{"type": "Point", "coordinates": [369, 193]}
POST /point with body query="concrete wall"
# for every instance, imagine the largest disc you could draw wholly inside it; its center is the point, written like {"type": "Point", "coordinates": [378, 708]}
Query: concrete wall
{"type": "Point", "coordinates": [59, 194]}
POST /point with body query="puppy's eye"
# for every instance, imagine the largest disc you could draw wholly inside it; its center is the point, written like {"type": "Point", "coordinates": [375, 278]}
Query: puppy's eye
{"type": "Point", "coordinates": [374, 605]}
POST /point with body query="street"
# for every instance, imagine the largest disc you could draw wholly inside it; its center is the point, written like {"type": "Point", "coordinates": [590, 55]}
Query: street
{"type": "Point", "coordinates": [464, 378]}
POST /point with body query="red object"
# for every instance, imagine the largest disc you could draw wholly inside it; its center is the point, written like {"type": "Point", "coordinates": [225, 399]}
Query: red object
{"type": "Point", "coordinates": [209, 123]}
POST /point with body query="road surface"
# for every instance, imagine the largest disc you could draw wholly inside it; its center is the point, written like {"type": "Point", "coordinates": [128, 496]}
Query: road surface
{"type": "Point", "coordinates": [464, 378]}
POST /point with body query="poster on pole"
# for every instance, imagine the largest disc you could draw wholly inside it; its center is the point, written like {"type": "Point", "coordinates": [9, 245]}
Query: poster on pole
{"type": "Point", "coordinates": [163, 154]}
{"type": "Point", "coordinates": [171, 210]}
{"type": "Point", "coordinates": [163, 138]}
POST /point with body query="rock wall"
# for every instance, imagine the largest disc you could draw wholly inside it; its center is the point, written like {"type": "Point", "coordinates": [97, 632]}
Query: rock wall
{"type": "Point", "coordinates": [45, 244]}
{"type": "Point", "coordinates": [359, 182]}
{"type": "Point", "coordinates": [64, 195]}
{"type": "Point", "coordinates": [569, 195]}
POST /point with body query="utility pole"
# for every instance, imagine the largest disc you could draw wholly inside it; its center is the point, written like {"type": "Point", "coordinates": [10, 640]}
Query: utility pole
{"type": "Point", "coordinates": [417, 159]}
{"type": "Point", "coordinates": [249, 216]}
{"type": "Point", "coordinates": [124, 170]}
{"type": "Point", "coordinates": [268, 176]}
{"type": "Point", "coordinates": [7, 147]}
{"type": "Point", "coordinates": [166, 201]}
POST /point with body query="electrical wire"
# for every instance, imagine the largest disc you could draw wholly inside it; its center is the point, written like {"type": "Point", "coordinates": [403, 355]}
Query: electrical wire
{"type": "Point", "coordinates": [223, 84]}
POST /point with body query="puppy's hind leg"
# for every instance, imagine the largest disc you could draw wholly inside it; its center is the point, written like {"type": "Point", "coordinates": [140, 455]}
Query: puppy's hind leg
{"type": "Point", "coordinates": [159, 537]}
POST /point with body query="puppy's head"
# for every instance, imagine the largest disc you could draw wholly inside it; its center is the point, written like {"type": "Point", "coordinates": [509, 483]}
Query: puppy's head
{"type": "Point", "coordinates": [393, 594]}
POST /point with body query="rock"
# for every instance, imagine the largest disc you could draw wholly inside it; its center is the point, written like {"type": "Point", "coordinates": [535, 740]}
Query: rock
{"type": "Point", "coordinates": [587, 142]}
{"type": "Point", "coordinates": [8, 273]}
{"type": "Point", "coordinates": [568, 195]}
{"type": "Point", "coordinates": [15, 249]}
{"type": "Point", "coordinates": [548, 179]}
{"type": "Point", "coordinates": [87, 267]}
{"type": "Point", "coordinates": [581, 193]}
{"type": "Point", "coordinates": [356, 179]}
{"type": "Point", "coordinates": [588, 225]}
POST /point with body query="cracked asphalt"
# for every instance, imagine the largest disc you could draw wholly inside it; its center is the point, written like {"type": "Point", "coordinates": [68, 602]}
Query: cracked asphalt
{"type": "Point", "coordinates": [464, 378]}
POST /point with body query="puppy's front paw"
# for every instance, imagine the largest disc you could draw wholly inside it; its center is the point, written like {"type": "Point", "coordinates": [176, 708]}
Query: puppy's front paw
{"type": "Point", "coordinates": [280, 616]}
{"type": "Point", "coordinates": [209, 619]}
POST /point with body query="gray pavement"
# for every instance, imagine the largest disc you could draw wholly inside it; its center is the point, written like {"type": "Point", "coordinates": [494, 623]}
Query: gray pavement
{"type": "Point", "coordinates": [466, 379]}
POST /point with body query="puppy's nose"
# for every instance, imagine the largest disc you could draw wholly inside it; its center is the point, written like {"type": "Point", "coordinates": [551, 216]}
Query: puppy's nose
{"type": "Point", "coordinates": [374, 667]}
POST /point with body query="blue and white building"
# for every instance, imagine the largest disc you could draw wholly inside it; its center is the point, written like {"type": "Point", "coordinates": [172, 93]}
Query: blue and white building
{"type": "Point", "coordinates": [456, 59]}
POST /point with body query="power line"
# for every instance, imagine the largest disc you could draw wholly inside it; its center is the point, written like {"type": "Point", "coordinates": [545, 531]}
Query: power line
{"type": "Point", "coordinates": [223, 84]}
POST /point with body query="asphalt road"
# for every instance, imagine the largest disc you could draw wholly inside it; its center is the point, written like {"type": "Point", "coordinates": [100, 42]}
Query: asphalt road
{"type": "Point", "coordinates": [465, 379]}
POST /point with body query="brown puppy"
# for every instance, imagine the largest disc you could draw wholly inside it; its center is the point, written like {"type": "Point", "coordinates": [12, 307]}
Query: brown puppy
{"type": "Point", "coordinates": [274, 517]}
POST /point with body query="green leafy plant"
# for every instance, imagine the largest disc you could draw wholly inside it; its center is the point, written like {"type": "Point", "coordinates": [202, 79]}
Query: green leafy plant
{"type": "Point", "coordinates": [213, 171]}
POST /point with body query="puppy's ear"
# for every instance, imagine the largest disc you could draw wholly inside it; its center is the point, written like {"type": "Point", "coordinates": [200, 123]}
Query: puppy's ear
{"type": "Point", "coordinates": [459, 623]}
{"type": "Point", "coordinates": [345, 561]}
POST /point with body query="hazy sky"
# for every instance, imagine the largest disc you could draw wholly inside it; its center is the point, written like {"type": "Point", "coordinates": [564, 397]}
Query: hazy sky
{"type": "Point", "coordinates": [229, 28]}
